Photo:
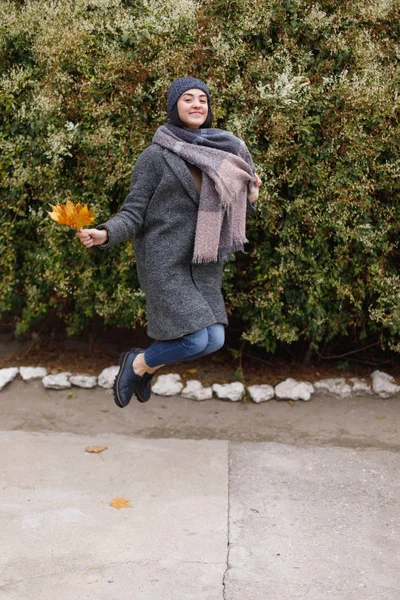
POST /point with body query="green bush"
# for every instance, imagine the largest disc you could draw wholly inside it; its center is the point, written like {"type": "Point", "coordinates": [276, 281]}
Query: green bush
{"type": "Point", "coordinates": [313, 88]}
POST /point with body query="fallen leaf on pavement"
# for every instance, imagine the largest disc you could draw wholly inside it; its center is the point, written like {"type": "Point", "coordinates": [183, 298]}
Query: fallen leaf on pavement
{"type": "Point", "coordinates": [95, 449]}
{"type": "Point", "coordinates": [121, 503]}
{"type": "Point", "coordinates": [94, 581]}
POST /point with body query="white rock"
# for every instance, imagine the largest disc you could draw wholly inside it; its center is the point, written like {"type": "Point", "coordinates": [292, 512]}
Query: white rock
{"type": "Point", "coordinates": [384, 384]}
{"type": "Point", "coordinates": [168, 385]}
{"type": "Point", "coordinates": [261, 393]}
{"type": "Point", "coordinates": [194, 390]}
{"type": "Point", "coordinates": [57, 382]}
{"type": "Point", "coordinates": [31, 373]}
{"type": "Point", "coordinates": [229, 391]}
{"type": "Point", "coordinates": [107, 376]}
{"type": "Point", "coordinates": [83, 381]}
{"type": "Point", "coordinates": [290, 389]}
{"type": "Point", "coordinates": [360, 387]}
{"type": "Point", "coordinates": [336, 386]}
{"type": "Point", "coordinates": [7, 375]}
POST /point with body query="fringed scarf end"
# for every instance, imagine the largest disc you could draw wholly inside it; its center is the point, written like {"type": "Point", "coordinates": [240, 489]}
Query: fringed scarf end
{"type": "Point", "coordinates": [223, 254]}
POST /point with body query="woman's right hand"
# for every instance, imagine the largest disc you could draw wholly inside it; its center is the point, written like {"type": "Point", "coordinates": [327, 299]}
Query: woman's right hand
{"type": "Point", "coordinates": [92, 237]}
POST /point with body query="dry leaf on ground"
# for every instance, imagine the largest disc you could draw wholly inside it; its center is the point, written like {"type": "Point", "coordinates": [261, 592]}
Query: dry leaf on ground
{"type": "Point", "coordinates": [121, 503]}
{"type": "Point", "coordinates": [94, 581]}
{"type": "Point", "coordinates": [95, 449]}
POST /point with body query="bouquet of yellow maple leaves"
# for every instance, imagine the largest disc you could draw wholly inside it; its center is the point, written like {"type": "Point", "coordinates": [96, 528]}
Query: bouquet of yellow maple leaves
{"type": "Point", "coordinates": [75, 216]}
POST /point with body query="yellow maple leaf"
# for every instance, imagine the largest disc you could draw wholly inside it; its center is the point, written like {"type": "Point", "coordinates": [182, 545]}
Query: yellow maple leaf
{"type": "Point", "coordinates": [95, 449]}
{"type": "Point", "coordinates": [75, 216]}
{"type": "Point", "coordinates": [121, 503]}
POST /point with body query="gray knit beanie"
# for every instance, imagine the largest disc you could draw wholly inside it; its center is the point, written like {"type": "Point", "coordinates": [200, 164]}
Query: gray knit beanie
{"type": "Point", "coordinates": [181, 85]}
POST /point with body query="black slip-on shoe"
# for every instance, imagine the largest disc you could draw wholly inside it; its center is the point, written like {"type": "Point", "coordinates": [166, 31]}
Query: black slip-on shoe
{"type": "Point", "coordinates": [143, 387]}
{"type": "Point", "coordinates": [125, 383]}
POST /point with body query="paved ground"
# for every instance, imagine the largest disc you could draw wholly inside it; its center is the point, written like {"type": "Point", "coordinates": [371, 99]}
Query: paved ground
{"type": "Point", "coordinates": [360, 422]}
{"type": "Point", "coordinates": [211, 519]}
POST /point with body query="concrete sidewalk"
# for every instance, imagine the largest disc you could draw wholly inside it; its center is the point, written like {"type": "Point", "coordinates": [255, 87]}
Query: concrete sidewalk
{"type": "Point", "coordinates": [301, 522]}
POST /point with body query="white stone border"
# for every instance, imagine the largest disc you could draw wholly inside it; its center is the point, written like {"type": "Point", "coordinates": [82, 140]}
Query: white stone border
{"type": "Point", "coordinates": [383, 385]}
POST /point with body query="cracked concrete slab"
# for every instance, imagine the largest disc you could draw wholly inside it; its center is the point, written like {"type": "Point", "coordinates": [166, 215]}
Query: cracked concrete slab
{"type": "Point", "coordinates": [315, 523]}
{"type": "Point", "coordinates": [61, 539]}
{"type": "Point", "coordinates": [319, 523]}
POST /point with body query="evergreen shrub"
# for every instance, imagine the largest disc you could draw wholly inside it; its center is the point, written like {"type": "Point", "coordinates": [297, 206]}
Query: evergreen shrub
{"type": "Point", "coordinates": [312, 87]}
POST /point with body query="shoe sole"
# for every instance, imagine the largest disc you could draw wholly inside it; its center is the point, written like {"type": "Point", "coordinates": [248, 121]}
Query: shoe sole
{"type": "Point", "coordinates": [137, 394]}
{"type": "Point", "coordinates": [117, 399]}
{"type": "Point", "coordinates": [139, 397]}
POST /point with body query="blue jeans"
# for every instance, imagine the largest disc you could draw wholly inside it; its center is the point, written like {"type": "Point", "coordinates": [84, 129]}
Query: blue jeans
{"type": "Point", "coordinates": [190, 346]}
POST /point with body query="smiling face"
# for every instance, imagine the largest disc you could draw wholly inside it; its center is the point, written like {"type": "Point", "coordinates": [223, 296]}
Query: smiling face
{"type": "Point", "coordinates": [193, 108]}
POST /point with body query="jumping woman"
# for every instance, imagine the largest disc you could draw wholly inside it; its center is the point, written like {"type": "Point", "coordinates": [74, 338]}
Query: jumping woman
{"type": "Point", "coordinates": [186, 212]}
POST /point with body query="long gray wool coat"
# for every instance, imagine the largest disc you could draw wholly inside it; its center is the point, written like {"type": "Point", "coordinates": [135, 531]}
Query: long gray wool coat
{"type": "Point", "coordinates": [160, 214]}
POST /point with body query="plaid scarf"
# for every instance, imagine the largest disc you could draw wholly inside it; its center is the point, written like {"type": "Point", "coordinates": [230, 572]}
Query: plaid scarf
{"type": "Point", "coordinates": [227, 168]}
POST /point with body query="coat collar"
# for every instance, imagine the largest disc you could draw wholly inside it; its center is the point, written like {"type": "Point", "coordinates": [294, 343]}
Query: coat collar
{"type": "Point", "coordinates": [181, 171]}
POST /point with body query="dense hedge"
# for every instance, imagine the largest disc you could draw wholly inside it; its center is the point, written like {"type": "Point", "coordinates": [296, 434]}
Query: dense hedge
{"type": "Point", "coordinates": [312, 87]}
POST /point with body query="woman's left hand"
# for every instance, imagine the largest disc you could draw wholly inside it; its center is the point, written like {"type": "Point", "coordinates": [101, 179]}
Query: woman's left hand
{"type": "Point", "coordinates": [253, 189]}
